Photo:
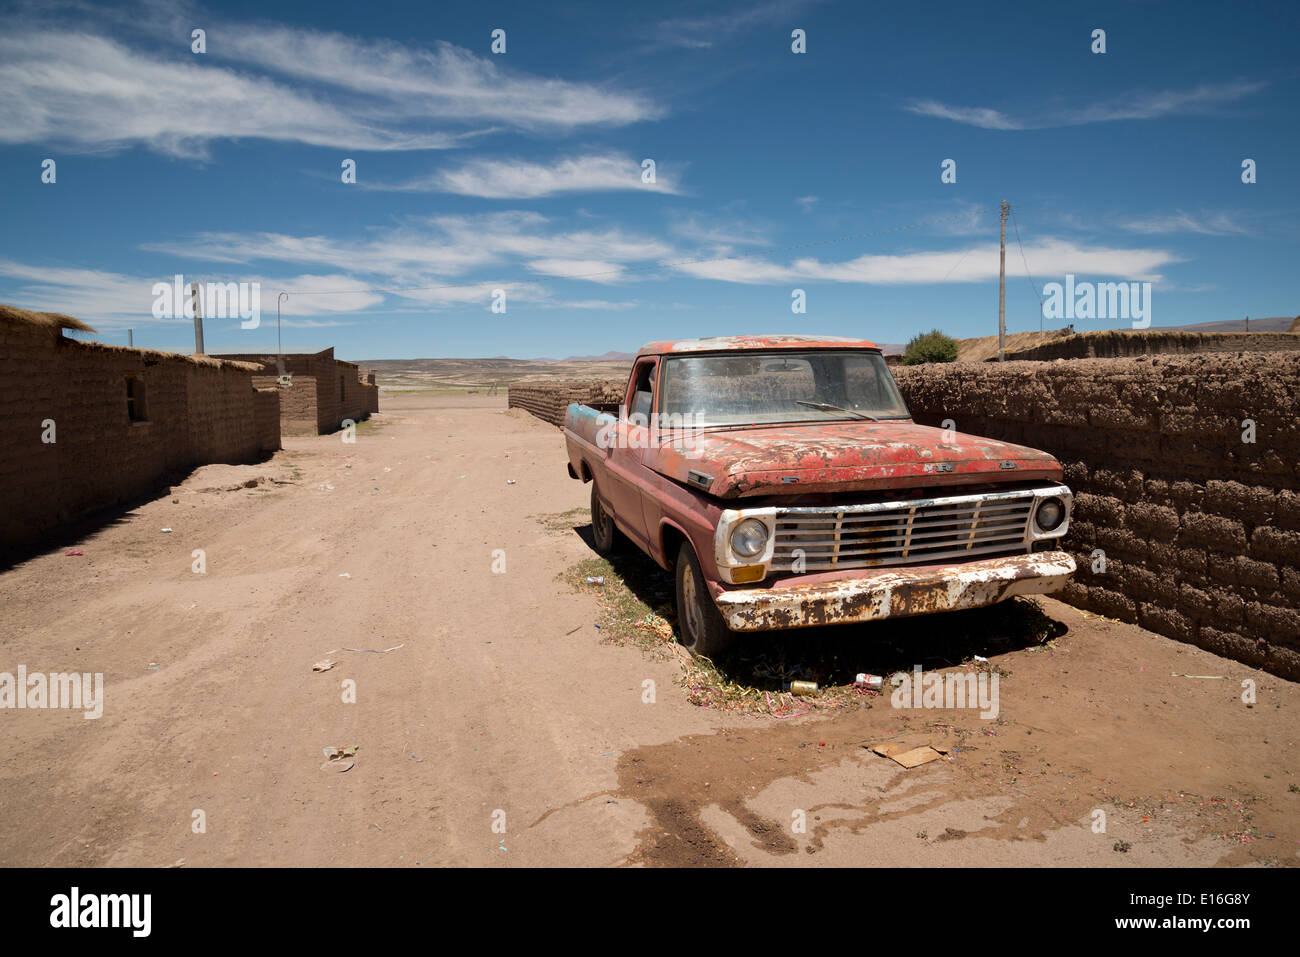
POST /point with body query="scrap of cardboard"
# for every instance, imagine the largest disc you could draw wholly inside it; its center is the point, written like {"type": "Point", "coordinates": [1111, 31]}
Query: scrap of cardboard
{"type": "Point", "coordinates": [889, 748]}
{"type": "Point", "coordinates": [917, 756]}
{"type": "Point", "coordinates": [907, 757]}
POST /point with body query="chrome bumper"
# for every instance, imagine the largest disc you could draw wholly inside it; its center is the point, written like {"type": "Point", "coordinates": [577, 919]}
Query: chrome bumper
{"type": "Point", "coordinates": [892, 592]}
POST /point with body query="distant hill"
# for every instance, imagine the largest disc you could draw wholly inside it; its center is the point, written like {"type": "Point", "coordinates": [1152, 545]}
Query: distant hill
{"type": "Point", "coordinates": [604, 357]}
{"type": "Point", "coordinates": [1271, 324]}
{"type": "Point", "coordinates": [983, 348]}
{"type": "Point", "coordinates": [406, 375]}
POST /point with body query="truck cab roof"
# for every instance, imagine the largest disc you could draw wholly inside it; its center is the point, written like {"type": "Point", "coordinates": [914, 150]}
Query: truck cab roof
{"type": "Point", "coordinates": [743, 343]}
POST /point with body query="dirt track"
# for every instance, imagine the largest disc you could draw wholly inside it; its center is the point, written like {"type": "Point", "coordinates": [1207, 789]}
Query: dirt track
{"type": "Point", "coordinates": [502, 696]}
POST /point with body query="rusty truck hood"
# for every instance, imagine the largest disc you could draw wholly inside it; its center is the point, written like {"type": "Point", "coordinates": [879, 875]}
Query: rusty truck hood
{"type": "Point", "coordinates": [844, 456]}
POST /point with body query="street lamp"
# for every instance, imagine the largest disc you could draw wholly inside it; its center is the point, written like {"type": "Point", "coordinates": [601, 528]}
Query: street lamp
{"type": "Point", "coordinates": [279, 352]}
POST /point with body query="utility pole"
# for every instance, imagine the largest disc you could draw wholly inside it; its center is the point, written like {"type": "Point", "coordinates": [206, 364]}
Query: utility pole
{"type": "Point", "coordinates": [196, 299]}
{"type": "Point", "coordinates": [1002, 285]}
{"type": "Point", "coordinates": [279, 351]}
{"type": "Point", "coordinates": [130, 338]}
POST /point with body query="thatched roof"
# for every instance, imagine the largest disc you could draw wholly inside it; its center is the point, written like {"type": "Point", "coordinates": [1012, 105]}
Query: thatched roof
{"type": "Point", "coordinates": [199, 360]}
{"type": "Point", "coordinates": [56, 320]}
{"type": "Point", "coordinates": [50, 320]}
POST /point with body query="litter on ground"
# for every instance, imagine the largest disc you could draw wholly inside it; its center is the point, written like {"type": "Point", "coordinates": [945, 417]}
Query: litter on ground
{"type": "Point", "coordinates": [907, 757]}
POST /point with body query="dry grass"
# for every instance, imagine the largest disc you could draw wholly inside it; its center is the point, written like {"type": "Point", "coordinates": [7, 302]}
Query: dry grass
{"type": "Point", "coordinates": [51, 320]}
{"type": "Point", "coordinates": [204, 360]}
{"type": "Point", "coordinates": [986, 347]}
{"type": "Point", "coordinates": [636, 600]}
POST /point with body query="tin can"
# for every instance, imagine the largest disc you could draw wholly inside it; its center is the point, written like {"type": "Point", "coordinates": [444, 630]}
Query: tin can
{"type": "Point", "coordinates": [864, 680]}
{"type": "Point", "coordinates": [803, 688]}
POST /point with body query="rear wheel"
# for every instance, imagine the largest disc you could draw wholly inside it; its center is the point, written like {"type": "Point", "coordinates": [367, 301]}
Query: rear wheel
{"type": "Point", "coordinates": [703, 631]}
{"type": "Point", "coordinates": [602, 526]}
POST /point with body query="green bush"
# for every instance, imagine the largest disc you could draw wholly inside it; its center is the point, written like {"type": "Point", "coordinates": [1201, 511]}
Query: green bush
{"type": "Point", "coordinates": [932, 346]}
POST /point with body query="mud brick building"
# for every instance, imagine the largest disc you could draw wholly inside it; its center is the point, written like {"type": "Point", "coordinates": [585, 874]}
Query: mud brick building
{"type": "Point", "coordinates": [93, 425]}
{"type": "Point", "coordinates": [319, 392]}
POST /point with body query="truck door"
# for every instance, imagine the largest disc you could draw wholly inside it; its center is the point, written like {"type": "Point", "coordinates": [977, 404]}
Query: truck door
{"type": "Point", "coordinates": [632, 436]}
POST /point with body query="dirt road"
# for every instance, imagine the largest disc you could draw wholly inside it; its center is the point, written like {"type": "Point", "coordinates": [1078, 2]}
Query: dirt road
{"type": "Point", "coordinates": [494, 727]}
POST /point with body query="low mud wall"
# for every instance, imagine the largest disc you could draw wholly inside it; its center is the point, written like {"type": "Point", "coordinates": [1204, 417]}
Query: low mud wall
{"type": "Point", "coordinates": [1138, 342]}
{"type": "Point", "coordinates": [548, 400]}
{"type": "Point", "coordinates": [1185, 469]}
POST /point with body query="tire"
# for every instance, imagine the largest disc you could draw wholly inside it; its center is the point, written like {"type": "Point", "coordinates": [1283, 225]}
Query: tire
{"type": "Point", "coordinates": [702, 630]}
{"type": "Point", "coordinates": [604, 532]}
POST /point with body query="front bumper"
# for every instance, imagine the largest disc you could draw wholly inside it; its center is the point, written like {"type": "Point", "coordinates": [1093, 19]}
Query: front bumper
{"type": "Point", "coordinates": [892, 592]}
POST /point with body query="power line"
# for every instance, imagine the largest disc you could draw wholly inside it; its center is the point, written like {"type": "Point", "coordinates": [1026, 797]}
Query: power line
{"type": "Point", "coordinates": [1034, 286]}
{"type": "Point", "coordinates": [969, 250]}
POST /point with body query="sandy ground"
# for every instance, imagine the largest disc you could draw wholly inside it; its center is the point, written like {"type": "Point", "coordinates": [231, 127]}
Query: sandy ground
{"type": "Point", "coordinates": [500, 730]}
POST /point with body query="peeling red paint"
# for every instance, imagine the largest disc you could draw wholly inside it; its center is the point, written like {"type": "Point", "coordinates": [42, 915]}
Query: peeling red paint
{"type": "Point", "coordinates": [741, 343]}
{"type": "Point", "coordinates": [845, 457]}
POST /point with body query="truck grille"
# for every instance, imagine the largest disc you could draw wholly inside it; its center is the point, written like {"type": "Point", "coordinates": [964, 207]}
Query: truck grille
{"type": "Point", "coordinates": [902, 533]}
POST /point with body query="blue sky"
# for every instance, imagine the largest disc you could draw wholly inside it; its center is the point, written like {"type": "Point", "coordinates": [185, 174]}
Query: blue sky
{"type": "Point", "coordinates": [522, 171]}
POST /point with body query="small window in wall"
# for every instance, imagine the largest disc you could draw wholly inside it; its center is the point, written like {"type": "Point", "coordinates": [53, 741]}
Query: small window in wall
{"type": "Point", "coordinates": [135, 407]}
{"type": "Point", "coordinates": [341, 390]}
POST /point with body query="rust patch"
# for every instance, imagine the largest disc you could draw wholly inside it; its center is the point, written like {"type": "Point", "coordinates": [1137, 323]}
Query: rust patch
{"type": "Point", "coordinates": [895, 592]}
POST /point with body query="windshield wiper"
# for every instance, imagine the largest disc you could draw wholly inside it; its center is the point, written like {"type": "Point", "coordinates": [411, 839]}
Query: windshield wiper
{"type": "Point", "coordinates": [827, 407]}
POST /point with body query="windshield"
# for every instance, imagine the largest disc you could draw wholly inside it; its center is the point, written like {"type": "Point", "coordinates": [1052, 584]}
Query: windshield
{"type": "Point", "coordinates": [754, 387]}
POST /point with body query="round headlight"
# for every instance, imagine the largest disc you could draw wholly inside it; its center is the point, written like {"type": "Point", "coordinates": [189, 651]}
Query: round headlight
{"type": "Point", "coordinates": [748, 538]}
{"type": "Point", "coordinates": [1051, 513]}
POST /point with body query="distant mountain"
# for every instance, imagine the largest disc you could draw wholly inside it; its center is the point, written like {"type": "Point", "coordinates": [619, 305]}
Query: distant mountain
{"type": "Point", "coordinates": [604, 357]}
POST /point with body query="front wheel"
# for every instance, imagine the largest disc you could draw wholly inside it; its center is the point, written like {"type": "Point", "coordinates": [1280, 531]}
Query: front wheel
{"type": "Point", "coordinates": [703, 632]}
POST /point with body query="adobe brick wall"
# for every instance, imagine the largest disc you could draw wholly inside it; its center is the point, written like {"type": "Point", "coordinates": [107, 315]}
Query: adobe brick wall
{"type": "Point", "coordinates": [297, 403]}
{"type": "Point", "coordinates": [369, 391]}
{"type": "Point", "coordinates": [356, 402]}
{"type": "Point", "coordinates": [548, 401]}
{"type": "Point", "coordinates": [197, 412]}
{"type": "Point", "coordinates": [1136, 342]}
{"type": "Point", "coordinates": [266, 407]}
{"type": "Point", "coordinates": [323, 391]}
{"type": "Point", "coordinates": [1200, 530]}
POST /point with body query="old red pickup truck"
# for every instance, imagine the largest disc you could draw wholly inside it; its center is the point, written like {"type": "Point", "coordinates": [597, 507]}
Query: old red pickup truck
{"type": "Point", "coordinates": [783, 481]}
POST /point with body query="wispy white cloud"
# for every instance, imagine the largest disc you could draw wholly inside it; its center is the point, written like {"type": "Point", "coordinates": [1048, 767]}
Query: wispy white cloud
{"type": "Point", "coordinates": [86, 90]}
{"type": "Point", "coordinates": [528, 179]}
{"type": "Point", "coordinates": [117, 300]}
{"type": "Point", "coordinates": [703, 32]}
{"type": "Point", "coordinates": [439, 249]}
{"type": "Point", "coordinates": [444, 81]}
{"type": "Point", "coordinates": [591, 269]}
{"type": "Point", "coordinates": [1204, 223]}
{"type": "Point", "coordinates": [598, 305]}
{"type": "Point", "coordinates": [1049, 257]}
{"type": "Point", "coordinates": [720, 231]}
{"type": "Point", "coordinates": [1132, 106]}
